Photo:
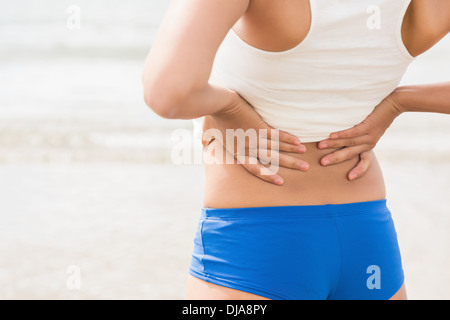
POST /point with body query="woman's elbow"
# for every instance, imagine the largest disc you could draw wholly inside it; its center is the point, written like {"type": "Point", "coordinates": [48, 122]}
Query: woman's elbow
{"type": "Point", "coordinates": [164, 102]}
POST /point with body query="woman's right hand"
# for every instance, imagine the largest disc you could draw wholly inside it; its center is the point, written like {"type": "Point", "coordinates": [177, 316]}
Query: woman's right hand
{"type": "Point", "coordinates": [259, 148]}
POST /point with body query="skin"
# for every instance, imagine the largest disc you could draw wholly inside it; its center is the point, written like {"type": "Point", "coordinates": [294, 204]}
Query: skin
{"type": "Point", "coordinates": [187, 49]}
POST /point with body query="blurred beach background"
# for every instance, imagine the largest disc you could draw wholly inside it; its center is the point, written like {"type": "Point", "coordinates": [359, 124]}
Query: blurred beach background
{"type": "Point", "coordinates": [91, 205]}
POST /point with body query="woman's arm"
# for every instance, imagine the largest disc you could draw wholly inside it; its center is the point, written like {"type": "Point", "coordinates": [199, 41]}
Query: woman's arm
{"type": "Point", "coordinates": [176, 84]}
{"type": "Point", "coordinates": [364, 136]}
{"type": "Point", "coordinates": [423, 98]}
{"type": "Point", "coordinates": [426, 23]}
{"type": "Point", "coordinates": [179, 64]}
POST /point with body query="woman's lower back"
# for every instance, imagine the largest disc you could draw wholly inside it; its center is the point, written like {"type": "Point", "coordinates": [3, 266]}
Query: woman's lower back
{"type": "Point", "coordinates": [232, 186]}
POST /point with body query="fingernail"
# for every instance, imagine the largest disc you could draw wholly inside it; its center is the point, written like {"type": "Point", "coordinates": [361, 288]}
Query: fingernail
{"type": "Point", "coordinates": [304, 166]}
{"type": "Point", "coordinates": [279, 181]}
{"type": "Point", "coordinates": [302, 149]}
{"type": "Point", "coordinates": [334, 136]}
{"type": "Point", "coordinates": [325, 162]}
{"type": "Point", "coordinates": [353, 176]}
{"type": "Point", "coordinates": [323, 145]}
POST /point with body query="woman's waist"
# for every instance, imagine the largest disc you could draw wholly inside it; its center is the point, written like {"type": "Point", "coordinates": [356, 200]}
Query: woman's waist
{"type": "Point", "coordinates": [232, 186]}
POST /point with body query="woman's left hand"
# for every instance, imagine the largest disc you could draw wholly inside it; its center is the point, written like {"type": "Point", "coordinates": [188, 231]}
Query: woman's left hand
{"type": "Point", "coordinates": [362, 138]}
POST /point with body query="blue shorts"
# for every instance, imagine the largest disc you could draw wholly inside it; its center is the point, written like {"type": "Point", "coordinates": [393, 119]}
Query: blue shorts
{"type": "Point", "coordinates": [335, 251]}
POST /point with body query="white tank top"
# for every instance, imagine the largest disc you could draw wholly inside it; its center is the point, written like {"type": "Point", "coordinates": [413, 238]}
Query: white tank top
{"type": "Point", "coordinates": [351, 59]}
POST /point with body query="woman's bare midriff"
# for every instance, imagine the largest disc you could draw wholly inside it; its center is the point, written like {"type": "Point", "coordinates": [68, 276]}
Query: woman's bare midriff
{"type": "Point", "coordinates": [232, 186]}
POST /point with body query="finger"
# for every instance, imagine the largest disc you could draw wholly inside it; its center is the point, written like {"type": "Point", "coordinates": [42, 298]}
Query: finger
{"type": "Point", "coordinates": [283, 160]}
{"type": "Point", "coordinates": [346, 142]}
{"type": "Point", "coordinates": [281, 146]}
{"type": "Point", "coordinates": [361, 168]}
{"type": "Point", "coordinates": [264, 141]}
{"type": "Point", "coordinates": [344, 154]}
{"type": "Point", "coordinates": [287, 147]}
{"type": "Point", "coordinates": [289, 138]}
{"type": "Point", "coordinates": [282, 136]}
{"type": "Point", "coordinates": [260, 171]}
{"type": "Point", "coordinates": [270, 155]}
{"type": "Point", "coordinates": [357, 130]}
